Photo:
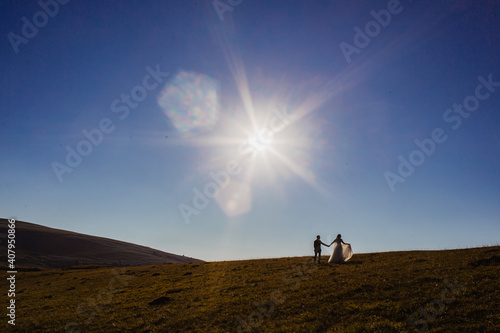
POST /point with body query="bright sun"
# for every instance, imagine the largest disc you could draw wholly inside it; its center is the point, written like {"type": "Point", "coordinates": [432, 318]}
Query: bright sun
{"type": "Point", "coordinates": [260, 141]}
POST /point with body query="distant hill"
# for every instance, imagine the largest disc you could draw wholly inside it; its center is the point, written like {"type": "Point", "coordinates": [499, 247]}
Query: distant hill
{"type": "Point", "coordinates": [44, 247]}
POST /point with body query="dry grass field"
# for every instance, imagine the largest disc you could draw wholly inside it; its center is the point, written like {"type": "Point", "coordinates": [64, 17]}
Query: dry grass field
{"type": "Point", "coordinates": [413, 291]}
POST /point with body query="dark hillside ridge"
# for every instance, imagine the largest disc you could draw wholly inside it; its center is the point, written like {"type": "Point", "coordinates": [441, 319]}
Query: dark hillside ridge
{"type": "Point", "coordinates": [44, 247]}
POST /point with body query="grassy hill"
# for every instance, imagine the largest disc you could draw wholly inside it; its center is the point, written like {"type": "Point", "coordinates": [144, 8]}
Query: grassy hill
{"type": "Point", "coordinates": [40, 246]}
{"type": "Point", "coordinates": [433, 291]}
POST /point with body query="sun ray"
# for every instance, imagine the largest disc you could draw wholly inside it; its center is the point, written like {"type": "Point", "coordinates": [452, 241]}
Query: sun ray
{"type": "Point", "coordinates": [213, 141]}
{"type": "Point", "coordinates": [303, 173]}
{"type": "Point", "coordinates": [239, 74]}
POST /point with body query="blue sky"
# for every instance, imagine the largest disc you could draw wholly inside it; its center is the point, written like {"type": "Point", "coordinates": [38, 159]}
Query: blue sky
{"type": "Point", "coordinates": [306, 135]}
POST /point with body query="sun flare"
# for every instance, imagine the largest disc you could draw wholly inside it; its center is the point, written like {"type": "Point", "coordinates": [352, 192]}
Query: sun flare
{"type": "Point", "coordinates": [257, 137]}
{"type": "Point", "coordinates": [261, 141]}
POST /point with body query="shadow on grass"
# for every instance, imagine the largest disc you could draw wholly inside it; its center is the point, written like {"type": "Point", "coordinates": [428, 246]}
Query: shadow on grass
{"type": "Point", "coordinates": [492, 261]}
{"type": "Point", "coordinates": [348, 263]}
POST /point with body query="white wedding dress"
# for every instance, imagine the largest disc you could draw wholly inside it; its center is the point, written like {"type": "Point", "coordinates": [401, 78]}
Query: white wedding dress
{"type": "Point", "coordinates": [341, 252]}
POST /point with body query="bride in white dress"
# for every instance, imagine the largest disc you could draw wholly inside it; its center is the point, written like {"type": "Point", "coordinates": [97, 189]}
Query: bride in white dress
{"type": "Point", "coordinates": [341, 251]}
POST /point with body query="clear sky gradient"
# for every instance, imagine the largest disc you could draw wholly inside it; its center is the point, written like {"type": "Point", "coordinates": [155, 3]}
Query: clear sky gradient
{"type": "Point", "coordinates": [378, 120]}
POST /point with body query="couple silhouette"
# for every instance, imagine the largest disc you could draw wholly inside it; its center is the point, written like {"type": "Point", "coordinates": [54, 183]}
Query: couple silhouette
{"type": "Point", "coordinates": [341, 251]}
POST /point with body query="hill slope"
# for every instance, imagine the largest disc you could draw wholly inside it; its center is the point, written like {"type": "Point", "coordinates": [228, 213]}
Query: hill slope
{"type": "Point", "coordinates": [432, 291]}
{"type": "Point", "coordinates": [40, 246]}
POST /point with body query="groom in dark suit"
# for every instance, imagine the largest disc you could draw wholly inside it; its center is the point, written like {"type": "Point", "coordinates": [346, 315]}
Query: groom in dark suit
{"type": "Point", "coordinates": [317, 248]}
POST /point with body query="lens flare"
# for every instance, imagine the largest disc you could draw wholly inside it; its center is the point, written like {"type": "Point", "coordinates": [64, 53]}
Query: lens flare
{"type": "Point", "coordinates": [190, 102]}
